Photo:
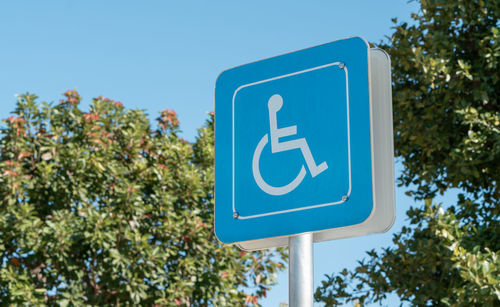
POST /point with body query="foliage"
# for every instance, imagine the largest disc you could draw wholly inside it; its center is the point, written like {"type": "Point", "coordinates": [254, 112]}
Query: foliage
{"type": "Point", "coordinates": [97, 208]}
{"type": "Point", "coordinates": [447, 131]}
{"type": "Point", "coordinates": [446, 92]}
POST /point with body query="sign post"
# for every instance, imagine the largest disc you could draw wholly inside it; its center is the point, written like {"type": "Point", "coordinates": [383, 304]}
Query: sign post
{"type": "Point", "coordinates": [300, 276]}
{"type": "Point", "coordinates": [304, 152]}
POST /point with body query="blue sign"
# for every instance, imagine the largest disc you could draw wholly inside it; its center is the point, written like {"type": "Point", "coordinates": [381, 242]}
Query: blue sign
{"type": "Point", "coordinates": [293, 144]}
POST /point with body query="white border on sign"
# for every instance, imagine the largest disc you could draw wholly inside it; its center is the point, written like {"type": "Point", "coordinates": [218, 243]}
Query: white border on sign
{"type": "Point", "coordinates": [344, 197]}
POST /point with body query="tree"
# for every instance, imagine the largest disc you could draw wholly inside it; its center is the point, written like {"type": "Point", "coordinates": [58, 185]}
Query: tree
{"type": "Point", "coordinates": [97, 208]}
{"type": "Point", "coordinates": [446, 87]}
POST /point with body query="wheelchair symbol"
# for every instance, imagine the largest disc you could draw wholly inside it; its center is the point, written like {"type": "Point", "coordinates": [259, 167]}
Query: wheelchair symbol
{"type": "Point", "coordinates": [274, 105]}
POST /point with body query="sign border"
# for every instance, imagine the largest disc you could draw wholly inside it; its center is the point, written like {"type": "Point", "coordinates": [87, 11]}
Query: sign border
{"type": "Point", "coordinates": [344, 197]}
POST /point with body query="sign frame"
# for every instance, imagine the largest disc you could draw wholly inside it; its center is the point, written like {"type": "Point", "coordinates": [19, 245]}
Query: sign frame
{"type": "Point", "coordinates": [382, 215]}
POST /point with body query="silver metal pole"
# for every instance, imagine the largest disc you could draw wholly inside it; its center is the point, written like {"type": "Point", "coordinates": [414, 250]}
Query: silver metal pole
{"type": "Point", "coordinates": [300, 271]}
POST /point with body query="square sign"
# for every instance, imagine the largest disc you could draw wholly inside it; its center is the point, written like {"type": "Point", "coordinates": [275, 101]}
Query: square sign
{"type": "Point", "coordinates": [304, 144]}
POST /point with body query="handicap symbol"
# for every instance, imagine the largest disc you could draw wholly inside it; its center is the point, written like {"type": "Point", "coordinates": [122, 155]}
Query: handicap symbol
{"type": "Point", "coordinates": [274, 105]}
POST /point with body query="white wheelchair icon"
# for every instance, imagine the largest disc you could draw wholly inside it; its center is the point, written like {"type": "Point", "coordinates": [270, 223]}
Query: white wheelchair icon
{"type": "Point", "coordinates": [274, 105]}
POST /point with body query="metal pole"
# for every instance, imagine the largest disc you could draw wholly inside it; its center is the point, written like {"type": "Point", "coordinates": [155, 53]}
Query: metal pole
{"type": "Point", "coordinates": [300, 271]}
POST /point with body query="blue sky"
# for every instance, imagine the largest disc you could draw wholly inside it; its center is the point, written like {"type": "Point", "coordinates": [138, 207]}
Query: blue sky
{"type": "Point", "coordinates": [167, 54]}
